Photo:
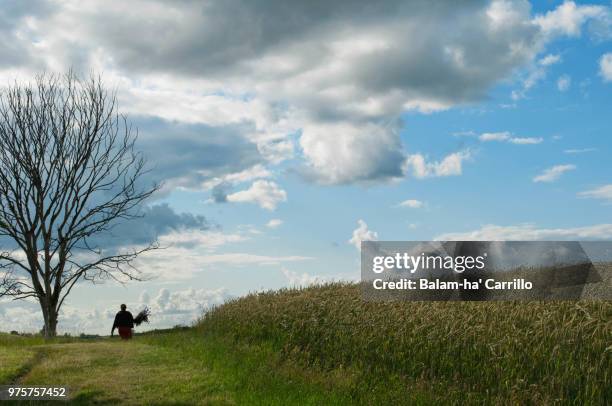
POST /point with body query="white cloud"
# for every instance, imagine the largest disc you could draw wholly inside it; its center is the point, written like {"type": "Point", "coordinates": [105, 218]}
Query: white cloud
{"type": "Point", "coordinates": [199, 102]}
{"type": "Point", "coordinates": [553, 173]}
{"type": "Point", "coordinates": [343, 152]}
{"type": "Point", "coordinates": [23, 316]}
{"type": "Point", "coordinates": [249, 228]}
{"type": "Point", "coordinates": [274, 223]}
{"type": "Point", "coordinates": [579, 150]}
{"type": "Point", "coordinates": [468, 133]}
{"type": "Point", "coordinates": [568, 18]}
{"type": "Point", "coordinates": [564, 82]}
{"type": "Point", "coordinates": [168, 308]}
{"type": "Point", "coordinates": [243, 259]}
{"type": "Point", "coordinates": [266, 194]}
{"type": "Point", "coordinates": [550, 59]}
{"type": "Point", "coordinates": [506, 136]}
{"type": "Point", "coordinates": [181, 263]}
{"type": "Point", "coordinates": [220, 185]}
{"type": "Point", "coordinates": [362, 233]}
{"type": "Point", "coordinates": [412, 203]}
{"type": "Point", "coordinates": [144, 297]}
{"type": "Point", "coordinates": [302, 279]}
{"type": "Point", "coordinates": [188, 252]}
{"type": "Point", "coordinates": [529, 232]}
{"type": "Point", "coordinates": [255, 172]}
{"type": "Point", "coordinates": [603, 192]}
{"type": "Point", "coordinates": [331, 77]}
{"type": "Point", "coordinates": [281, 84]}
{"type": "Point", "coordinates": [605, 67]}
{"type": "Point", "coordinates": [501, 136]}
{"type": "Point", "coordinates": [451, 165]}
{"type": "Point", "coordinates": [184, 306]}
{"type": "Point", "coordinates": [526, 140]}
{"type": "Point", "coordinates": [194, 238]}
{"type": "Point", "coordinates": [535, 73]}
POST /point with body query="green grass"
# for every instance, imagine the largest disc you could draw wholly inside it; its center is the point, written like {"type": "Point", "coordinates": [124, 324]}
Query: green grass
{"type": "Point", "coordinates": [12, 361]}
{"type": "Point", "coordinates": [183, 367]}
{"type": "Point", "coordinates": [518, 352]}
{"type": "Point", "coordinates": [17, 353]}
{"type": "Point", "coordinates": [324, 345]}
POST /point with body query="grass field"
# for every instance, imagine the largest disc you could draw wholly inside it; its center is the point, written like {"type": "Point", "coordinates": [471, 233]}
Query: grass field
{"type": "Point", "coordinates": [172, 367]}
{"type": "Point", "coordinates": [324, 345]}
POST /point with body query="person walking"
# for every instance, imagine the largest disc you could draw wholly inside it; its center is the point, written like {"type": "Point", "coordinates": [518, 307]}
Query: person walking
{"type": "Point", "coordinates": [124, 322]}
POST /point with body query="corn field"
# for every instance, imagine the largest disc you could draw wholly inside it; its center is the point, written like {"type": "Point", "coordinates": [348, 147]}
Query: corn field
{"type": "Point", "coordinates": [504, 352]}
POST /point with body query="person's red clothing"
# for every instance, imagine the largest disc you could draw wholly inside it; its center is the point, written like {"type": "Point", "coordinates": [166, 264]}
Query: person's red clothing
{"type": "Point", "coordinates": [125, 332]}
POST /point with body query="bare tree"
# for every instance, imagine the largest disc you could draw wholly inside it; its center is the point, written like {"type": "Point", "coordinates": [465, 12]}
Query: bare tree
{"type": "Point", "coordinates": [68, 172]}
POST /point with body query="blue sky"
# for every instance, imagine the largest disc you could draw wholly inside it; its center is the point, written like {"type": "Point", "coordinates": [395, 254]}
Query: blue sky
{"type": "Point", "coordinates": [297, 138]}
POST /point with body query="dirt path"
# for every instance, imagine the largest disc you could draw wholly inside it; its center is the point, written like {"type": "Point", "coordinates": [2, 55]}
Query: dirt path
{"type": "Point", "coordinates": [24, 370]}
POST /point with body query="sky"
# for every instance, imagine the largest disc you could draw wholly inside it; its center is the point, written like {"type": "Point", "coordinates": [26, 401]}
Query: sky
{"type": "Point", "coordinates": [284, 133]}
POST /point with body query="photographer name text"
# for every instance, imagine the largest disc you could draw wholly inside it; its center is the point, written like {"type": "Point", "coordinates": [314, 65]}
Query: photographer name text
{"type": "Point", "coordinates": [437, 284]}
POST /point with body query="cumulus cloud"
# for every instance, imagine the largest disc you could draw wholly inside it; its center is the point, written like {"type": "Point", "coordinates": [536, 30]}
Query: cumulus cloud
{"type": "Point", "coordinates": [603, 192]}
{"type": "Point", "coordinates": [564, 82]}
{"type": "Point", "coordinates": [362, 233]}
{"type": "Point", "coordinates": [412, 203]}
{"type": "Point", "coordinates": [17, 24]}
{"type": "Point", "coordinates": [285, 47]}
{"type": "Point", "coordinates": [21, 316]}
{"type": "Point", "coordinates": [155, 222]}
{"type": "Point", "coordinates": [266, 194]}
{"type": "Point", "coordinates": [185, 306]}
{"type": "Point", "coordinates": [328, 74]}
{"type": "Point", "coordinates": [568, 18]}
{"type": "Point", "coordinates": [345, 152]}
{"type": "Point", "coordinates": [451, 165]}
{"type": "Point", "coordinates": [194, 156]}
{"type": "Point", "coordinates": [605, 67]}
{"type": "Point", "coordinates": [265, 125]}
{"type": "Point", "coordinates": [168, 308]}
{"type": "Point", "coordinates": [529, 232]}
{"type": "Point", "coordinates": [221, 186]}
{"type": "Point", "coordinates": [553, 173]}
{"type": "Point", "coordinates": [302, 279]}
{"type": "Point", "coordinates": [26, 317]}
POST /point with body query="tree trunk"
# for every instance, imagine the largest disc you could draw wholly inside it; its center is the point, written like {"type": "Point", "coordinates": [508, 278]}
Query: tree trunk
{"type": "Point", "coordinates": [49, 310]}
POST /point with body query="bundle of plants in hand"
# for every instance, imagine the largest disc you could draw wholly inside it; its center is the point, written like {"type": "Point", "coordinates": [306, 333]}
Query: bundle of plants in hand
{"type": "Point", "coordinates": [142, 316]}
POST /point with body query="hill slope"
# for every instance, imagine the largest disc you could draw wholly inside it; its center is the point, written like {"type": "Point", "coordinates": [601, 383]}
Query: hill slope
{"type": "Point", "coordinates": [480, 351]}
{"type": "Point", "coordinates": [324, 345]}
